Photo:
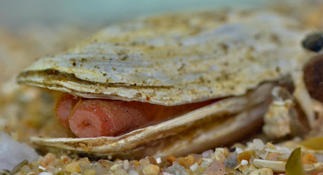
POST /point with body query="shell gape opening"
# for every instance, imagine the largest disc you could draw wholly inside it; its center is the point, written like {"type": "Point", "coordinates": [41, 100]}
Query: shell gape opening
{"type": "Point", "coordinates": [102, 117]}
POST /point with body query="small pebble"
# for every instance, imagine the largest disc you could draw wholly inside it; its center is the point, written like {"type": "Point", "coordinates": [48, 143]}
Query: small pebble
{"type": "Point", "coordinates": [256, 144]}
{"type": "Point", "coordinates": [158, 160]}
{"type": "Point", "coordinates": [220, 154]}
{"type": "Point", "coordinates": [206, 162]}
{"type": "Point", "coordinates": [244, 162]}
{"type": "Point", "coordinates": [45, 173]}
{"type": "Point", "coordinates": [144, 162]}
{"type": "Point", "coordinates": [120, 172]}
{"type": "Point", "coordinates": [152, 160]}
{"type": "Point", "coordinates": [106, 163]}
{"type": "Point", "coordinates": [246, 155]}
{"type": "Point", "coordinates": [133, 172]}
{"type": "Point", "coordinates": [99, 168]}
{"type": "Point", "coordinates": [41, 167]}
{"type": "Point", "coordinates": [262, 171]}
{"type": "Point", "coordinates": [207, 153]}
{"type": "Point", "coordinates": [49, 158]}
{"type": "Point", "coordinates": [194, 167]}
{"type": "Point", "coordinates": [308, 158]}
{"type": "Point", "coordinates": [215, 168]}
{"type": "Point", "coordinates": [231, 161]}
{"type": "Point", "coordinates": [115, 167]}
{"type": "Point", "coordinates": [170, 159]}
{"type": "Point", "coordinates": [89, 172]}
{"type": "Point", "coordinates": [151, 170]}
{"type": "Point", "coordinates": [73, 167]}
{"type": "Point", "coordinates": [313, 42]}
{"type": "Point", "coordinates": [165, 173]}
{"type": "Point", "coordinates": [186, 161]}
{"type": "Point", "coordinates": [126, 164]}
{"type": "Point", "coordinates": [176, 169]}
{"type": "Point", "coordinates": [239, 150]}
{"type": "Point", "coordinates": [31, 173]}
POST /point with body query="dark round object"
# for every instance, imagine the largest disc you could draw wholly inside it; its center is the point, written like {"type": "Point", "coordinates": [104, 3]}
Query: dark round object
{"type": "Point", "coordinates": [313, 77]}
{"type": "Point", "coordinates": [313, 42]}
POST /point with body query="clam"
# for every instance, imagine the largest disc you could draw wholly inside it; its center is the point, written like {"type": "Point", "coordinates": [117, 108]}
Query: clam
{"type": "Point", "coordinates": [223, 63]}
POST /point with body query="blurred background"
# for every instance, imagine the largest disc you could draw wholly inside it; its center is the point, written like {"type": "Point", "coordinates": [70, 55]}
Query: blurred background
{"type": "Point", "coordinates": [34, 28]}
{"type": "Point", "coordinates": [16, 14]}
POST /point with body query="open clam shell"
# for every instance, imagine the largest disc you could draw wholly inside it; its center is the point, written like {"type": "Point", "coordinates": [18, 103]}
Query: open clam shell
{"type": "Point", "coordinates": [192, 132]}
{"type": "Point", "coordinates": [177, 59]}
